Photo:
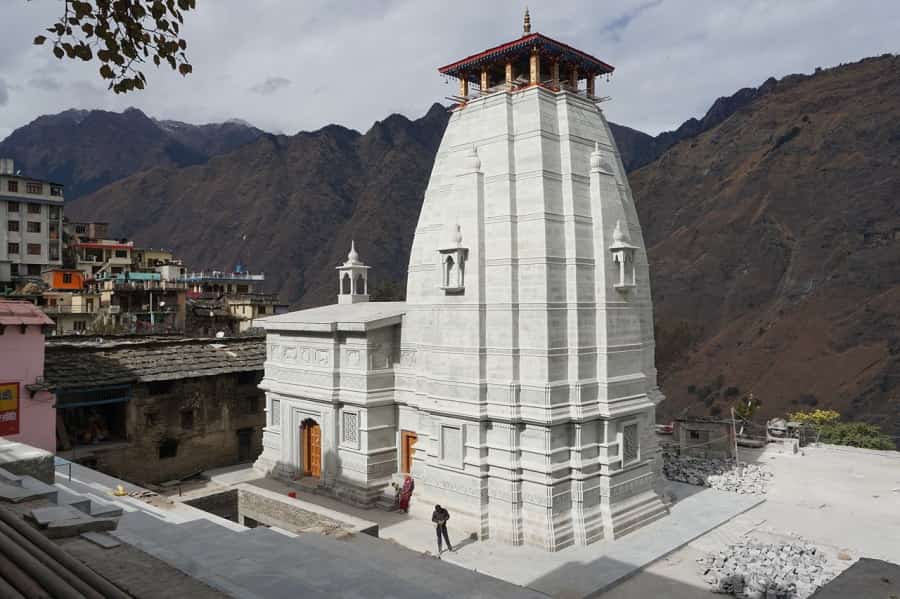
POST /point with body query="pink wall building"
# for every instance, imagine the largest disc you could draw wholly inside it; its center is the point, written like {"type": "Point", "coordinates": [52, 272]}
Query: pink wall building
{"type": "Point", "coordinates": [26, 416]}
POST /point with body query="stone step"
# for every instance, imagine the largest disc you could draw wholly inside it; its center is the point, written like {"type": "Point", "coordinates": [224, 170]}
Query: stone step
{"type": "Point", "coordinates": [88, 505]}
{"type": "Point", "coordinates": [16, 489]}
{"type": "Point", "coordinates": [59, 521]}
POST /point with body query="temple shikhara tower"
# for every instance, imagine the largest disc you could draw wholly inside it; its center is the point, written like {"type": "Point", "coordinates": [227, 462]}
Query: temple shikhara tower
{"type": "Point", "coordinates": [516, 383]}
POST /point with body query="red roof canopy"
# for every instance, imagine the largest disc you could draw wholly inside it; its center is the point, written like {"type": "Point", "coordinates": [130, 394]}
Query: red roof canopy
{"type": "Point", "coordinates": [17, 312]}
{"type": "Point", "coordinates": [584, 61]}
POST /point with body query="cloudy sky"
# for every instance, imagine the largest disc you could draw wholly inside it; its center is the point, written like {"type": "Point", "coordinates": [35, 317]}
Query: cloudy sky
{"type": "Point", "coordinates": [291, 65]}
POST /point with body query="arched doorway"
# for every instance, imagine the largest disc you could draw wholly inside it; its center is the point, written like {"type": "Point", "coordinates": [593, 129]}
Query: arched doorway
{"type": "Point", "coordinates": [311, 448]}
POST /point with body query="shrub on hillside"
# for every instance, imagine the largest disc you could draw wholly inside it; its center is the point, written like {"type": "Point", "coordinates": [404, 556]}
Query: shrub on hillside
{"type": "Point", "coordinates": [817, 417]}
{"type": "Point", "coordinates": [855, 434]}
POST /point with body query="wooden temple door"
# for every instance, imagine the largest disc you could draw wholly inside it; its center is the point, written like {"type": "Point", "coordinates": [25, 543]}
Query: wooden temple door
{"type": "Point", "coordinates": [315, 451]}
{"type": "Point", "coordinates": [408, 442]}
{"type": "Point", "coordinates": [311, 442]}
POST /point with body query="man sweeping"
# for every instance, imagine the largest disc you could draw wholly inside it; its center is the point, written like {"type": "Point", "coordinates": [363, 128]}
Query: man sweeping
{"type": "Point", "coordinates": [440, 517]}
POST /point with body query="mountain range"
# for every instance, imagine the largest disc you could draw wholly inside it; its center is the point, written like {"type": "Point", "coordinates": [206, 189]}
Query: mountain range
{"type": "Point", "coordinates": [772, 223]}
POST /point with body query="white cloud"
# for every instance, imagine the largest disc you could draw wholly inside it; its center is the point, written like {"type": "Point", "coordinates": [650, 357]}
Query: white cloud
{"type": "Point", "coordinates": [270, 86]}
{"type": "Point", "coordinates": [355, 62]}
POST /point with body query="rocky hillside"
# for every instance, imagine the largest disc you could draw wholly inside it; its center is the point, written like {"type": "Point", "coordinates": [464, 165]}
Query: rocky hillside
{"type": "Point", "coordinates": [287, 205]}
{"type": "Point", "coordinates": [775, 250]}
{"type": "Point", "coordinates": [773, 227]}
{"type": "Point", "coordinates": [87, 149]}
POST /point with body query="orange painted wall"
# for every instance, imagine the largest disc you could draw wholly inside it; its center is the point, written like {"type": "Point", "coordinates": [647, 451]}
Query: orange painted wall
{"type": "Point", "coordinates": [77, 280]}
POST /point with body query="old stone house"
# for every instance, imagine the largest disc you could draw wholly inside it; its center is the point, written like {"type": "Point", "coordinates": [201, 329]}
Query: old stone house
{"type": "Point", "coordinates": [155, 409]}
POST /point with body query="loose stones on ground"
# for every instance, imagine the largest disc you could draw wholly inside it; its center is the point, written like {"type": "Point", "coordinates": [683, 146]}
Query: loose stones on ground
{"type": "Point", "coordinates": [754, 570]}
{"type": "Point", "coordinates": [717, 473]}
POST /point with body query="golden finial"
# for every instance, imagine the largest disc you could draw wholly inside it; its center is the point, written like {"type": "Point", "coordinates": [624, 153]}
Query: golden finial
{"type": "Point", "coordinates": [527, 26]}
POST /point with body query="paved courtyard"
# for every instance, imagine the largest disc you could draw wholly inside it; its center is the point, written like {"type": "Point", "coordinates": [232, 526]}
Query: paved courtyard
{"type": "Point", "coordinates": [574, 572]}
{"type": "Point", "coordinates": [840, 499]}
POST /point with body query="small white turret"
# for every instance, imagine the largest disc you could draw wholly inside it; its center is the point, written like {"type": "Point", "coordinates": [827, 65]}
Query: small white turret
{"type": "Point", "coordinates": [353, 279]}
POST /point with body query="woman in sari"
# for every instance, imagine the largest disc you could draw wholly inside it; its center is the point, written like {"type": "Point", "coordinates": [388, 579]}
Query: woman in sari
{"type": "Point", "coordinates": [406, 493]}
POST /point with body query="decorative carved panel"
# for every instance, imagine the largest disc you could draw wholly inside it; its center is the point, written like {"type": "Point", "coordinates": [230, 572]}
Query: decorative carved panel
{"type": "Point", "coordinates": [350, 428]}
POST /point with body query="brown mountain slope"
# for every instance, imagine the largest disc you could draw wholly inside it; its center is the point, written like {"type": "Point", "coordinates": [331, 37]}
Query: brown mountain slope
{"type": "Point", "coordinates": [774, 242]}
{"type": "Point", "coordinates": [286, 205]}
{"type": "Point", "coordinates": [87, 149]}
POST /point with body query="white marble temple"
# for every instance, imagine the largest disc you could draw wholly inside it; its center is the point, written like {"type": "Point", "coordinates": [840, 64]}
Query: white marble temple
{"type": "Point", "coordinates": [523, 358]}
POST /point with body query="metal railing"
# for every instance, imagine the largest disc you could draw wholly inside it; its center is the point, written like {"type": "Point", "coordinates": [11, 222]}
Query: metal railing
{"type": "Point", "coordinates": [68, 309]}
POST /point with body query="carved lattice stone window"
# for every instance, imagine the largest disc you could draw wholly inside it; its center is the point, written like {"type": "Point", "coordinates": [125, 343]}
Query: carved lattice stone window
{"type": "Point", "coordinates": [351, 429]}
{"type": "Point", "coordinates": [630, 443]}
{"type": "Point", "coordinates": [275, 413]}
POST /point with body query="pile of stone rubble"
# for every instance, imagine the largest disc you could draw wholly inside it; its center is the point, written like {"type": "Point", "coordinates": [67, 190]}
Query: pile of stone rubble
{"type": "Point", "coordinates": [766, 570]}
{"type": "Point", "coordinates": [717, 473]}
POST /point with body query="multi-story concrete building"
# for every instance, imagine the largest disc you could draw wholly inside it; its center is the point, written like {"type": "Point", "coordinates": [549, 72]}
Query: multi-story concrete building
{"type": "Point", "coordinates": [31, 213]}
{"type": "Point", "coordinates": [227, 301]}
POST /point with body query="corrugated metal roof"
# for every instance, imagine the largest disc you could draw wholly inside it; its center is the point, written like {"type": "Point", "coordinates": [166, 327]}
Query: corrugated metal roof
{"type": "Point", "coordinates": [18, 312]}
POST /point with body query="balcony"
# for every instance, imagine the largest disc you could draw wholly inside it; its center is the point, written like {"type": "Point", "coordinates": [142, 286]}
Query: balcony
{"type": "Point", "coordinates": [68, 309]}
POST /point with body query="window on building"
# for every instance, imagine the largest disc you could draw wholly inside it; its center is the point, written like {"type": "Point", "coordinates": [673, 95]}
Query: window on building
{"type": "Point", "coordinates": [187, 420]}
{"type": "Point", "coordinates": [12, 248]}
{"type": "Point", "coordinates": [630, 443]}
{"type": "Point", "coordinates": [275, 413]}
{"type": "Point", "coordinates": [79, 325]}
{"type": "Point", "coordinates": [54, 251]}
{"type": "Point", "coordinates": [67, 277]}
{"type": "Point", "coordinates": [34, 270]}
{"type": "Point", "coordinates": [12, 206]}
{"type": "Point", "coordinates": [80, 229]}
{"type": "Point", "coordinates": [242, 289]}
{"type": "Point", "coordinates": [168, 448]}
{"type": "Point", "coordinates": [262, 309]}
{"type": "Point", "coordinates": [34, 227]}
{"type": "Point", "coordinates": [34, 249]}
{"type": "Point", "coordinates": [34, 208]}
{"type": "Point", "coordinates": [121, 253]}
{"type": "Point", "coordinates": [695, 435]}
{"type": "Point", "coordinates": [55, 190]}
{"type": "Point", "coordinates": [160, 387]}
{"type": "Point", "coordinates": [12, 225]}
{"type": "Point", "coordinates": [32, 187]}
{"type": "Point", "coordinates": [54, 212]}
{"type": "Point", "coordinates": [250, 377]}
{"type": "Point", "coordinates": [12, 186]}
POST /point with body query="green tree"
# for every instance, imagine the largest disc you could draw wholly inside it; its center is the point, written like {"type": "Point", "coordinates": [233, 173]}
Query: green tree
{"type": "Point", "coordinates": [746, 408]}
{"type": "Point", "coordinates": [122, 34]}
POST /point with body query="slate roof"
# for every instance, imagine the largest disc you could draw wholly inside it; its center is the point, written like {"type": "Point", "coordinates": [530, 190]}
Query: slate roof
{"type": "Point", "coordinates": [83, 366]}
{"type": "Point", "coordinates": [13, 313]}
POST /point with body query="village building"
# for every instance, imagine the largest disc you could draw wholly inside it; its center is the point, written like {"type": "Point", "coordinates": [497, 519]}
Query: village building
{"type": "Point", "coordinates": [227, 302]}
{"type": "Point", "coordinates": [27, 414]}
{"type": "Point", "coordinates": [153, 409]}
{"type": "Point", "coordinates": [704, 437]}
{"type": "Point", "coordinates": [516, 383]}
{"type": "Point", "coordinates": [31, 213]}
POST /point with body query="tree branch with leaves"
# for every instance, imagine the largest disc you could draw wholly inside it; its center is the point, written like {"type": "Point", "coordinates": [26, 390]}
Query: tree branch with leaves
{"type": "Point", "coordinates": [122, 34]}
